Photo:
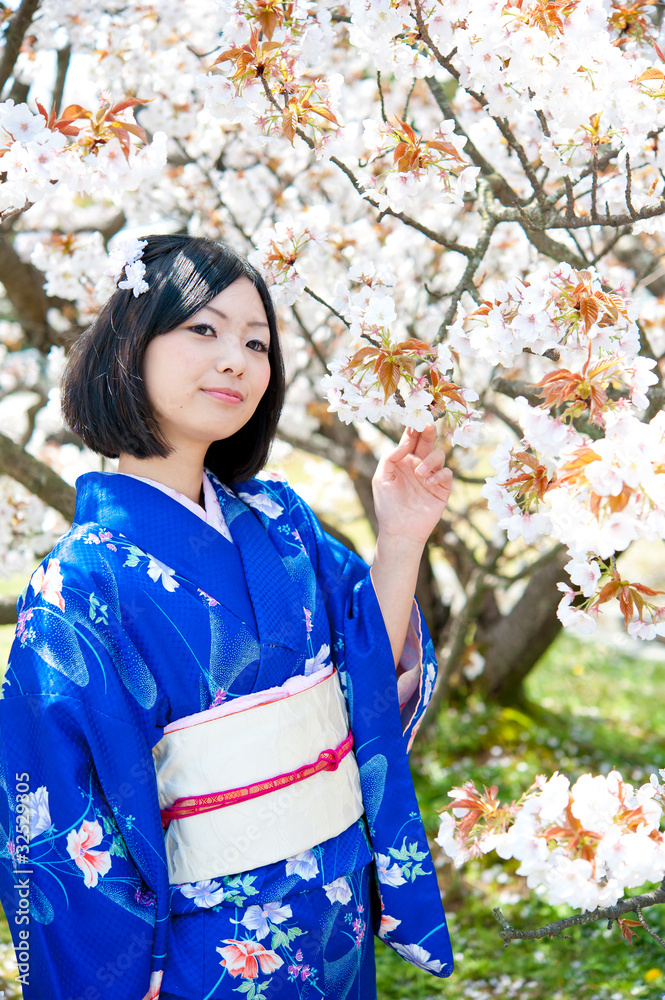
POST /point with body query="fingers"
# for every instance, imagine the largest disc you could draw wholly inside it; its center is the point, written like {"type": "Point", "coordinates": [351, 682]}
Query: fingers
{"type": "Point", "coordinates": [432, 471]}
{"type": "Point", "coordinates": [432, 461]}
{"type": "Point", "coordinates": [424, 440]}
{"type": "Point", "coordinates": [406, 446]}
{"type": "Point", "coordinates": [439, 483]}
{"type": "Point", "coordinates": [421, 444]}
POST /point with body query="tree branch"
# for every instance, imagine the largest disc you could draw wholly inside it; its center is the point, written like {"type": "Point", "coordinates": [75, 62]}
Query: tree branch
{"type": "Point", "coordinates": [649, 930]}
{"type": "Point", "coordinates": [465, 284]}
{"type": "Point", "coordinates": [500, 123]}
{"type": "Point", "coordinates": [113, 226]}
{"type": "Point", "coordinates": [492, 408]}
{"type": "Point", "coordinates": [649, 271]}
{"type": "Point", "coordinates": [613, 221]}
{"type": "Point", "coordinates": [500, 187]}
{"type": "Point", "coordinates": [656, 394]}
{"type": "Point", "coordinates": [529, 570]}
{"type": "Point", "coordinates": [323, 302]}
{"type": "Point", "coordinates": [513, 389]}
{"type": "Point", "coordinates": [6, 218]}
{"type": "Point", "coordinates": [308, 337]}
{"type": "Point", "coordinates": [458, 629]}
{"type": "Point", "coordinates": [629, 185]}
{"type": "Point", "coordinates": [344, 449]}
{"type": "Point", "coordinates": [366, 196]}
{"type": "Point", "coordinates": [14, 36]}
{"type": "Point", "coordinates": [380, 89]}
{"type": "Point", "coordinates": [551, 248]}
{"type": "Point", "coordinates": [594, 186]}
{"type": "Point", "coordinates": [627, 905]}
{"type": "Point", "coordinates": [24, 286]}
{"type": "Point", "coordinates": [32, 413]}
{"type": "Point", "coordinates": [37, 477]}
{"type": "Point", "coordinates": [64, 55]}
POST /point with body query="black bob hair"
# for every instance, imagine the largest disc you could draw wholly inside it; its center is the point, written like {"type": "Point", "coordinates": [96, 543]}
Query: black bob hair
{"type": "Point", "coordinates": [103, 394]}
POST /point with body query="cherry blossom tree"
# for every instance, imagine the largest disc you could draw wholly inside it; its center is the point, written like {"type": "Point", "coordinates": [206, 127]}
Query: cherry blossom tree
{"type": "Point", "coordinates": [460, 210]}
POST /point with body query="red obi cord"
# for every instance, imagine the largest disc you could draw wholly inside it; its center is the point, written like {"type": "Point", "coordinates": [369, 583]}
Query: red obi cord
{"type": "Point", "coordinates": [328, 760]}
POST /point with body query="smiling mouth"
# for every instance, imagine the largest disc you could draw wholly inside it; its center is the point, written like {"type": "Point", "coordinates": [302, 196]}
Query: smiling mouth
{"type": "Point", "coordinates": [224, 395]}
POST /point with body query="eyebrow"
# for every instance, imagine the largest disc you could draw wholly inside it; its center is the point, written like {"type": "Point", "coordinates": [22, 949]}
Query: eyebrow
{"type": "Point", "coordinates": [224, 316]}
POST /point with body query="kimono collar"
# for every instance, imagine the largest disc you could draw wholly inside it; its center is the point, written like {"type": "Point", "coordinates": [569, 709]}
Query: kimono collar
{"type": "Point", "coordinates": [166, 529]}
{"type": "Point", "coordinates": [276, 600]}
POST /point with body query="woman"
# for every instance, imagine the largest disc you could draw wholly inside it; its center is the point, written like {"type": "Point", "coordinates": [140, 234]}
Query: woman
{"type": "Point", "coordinates": [182, 807]}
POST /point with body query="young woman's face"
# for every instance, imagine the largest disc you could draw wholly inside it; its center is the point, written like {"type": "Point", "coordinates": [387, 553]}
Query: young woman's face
{"type": "Point", "coordinates": [205, 379]}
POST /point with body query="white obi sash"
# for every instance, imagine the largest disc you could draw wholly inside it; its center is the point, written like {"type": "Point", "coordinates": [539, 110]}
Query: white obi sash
{"type": "Point", "coordinates": [244, 743]}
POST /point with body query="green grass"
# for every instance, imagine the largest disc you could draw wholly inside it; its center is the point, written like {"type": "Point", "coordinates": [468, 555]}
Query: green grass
{"type": "Point", "coordinates": [592, 708]}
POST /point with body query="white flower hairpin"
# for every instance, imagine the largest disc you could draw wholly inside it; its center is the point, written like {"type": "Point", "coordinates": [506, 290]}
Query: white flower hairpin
{"type": "Point", "coordinates": [126, 255]}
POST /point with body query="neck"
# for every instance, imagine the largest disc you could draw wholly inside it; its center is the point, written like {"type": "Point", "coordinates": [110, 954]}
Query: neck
{"type": "Point", "coordinates": [182, 475]}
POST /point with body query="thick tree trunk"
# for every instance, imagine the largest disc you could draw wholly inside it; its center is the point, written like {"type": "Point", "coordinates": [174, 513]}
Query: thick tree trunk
{"type": "Point", "coordinates": [8, 610]}
{"type": "Point", "coordinates": [513, 644]}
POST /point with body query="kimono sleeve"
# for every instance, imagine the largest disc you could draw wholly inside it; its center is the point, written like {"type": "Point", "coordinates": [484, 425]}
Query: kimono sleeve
{"type": "Point", "coordinates": [357, 620]}
{"type": "Point", "coordinates": [408, 914]}
{"type": "Point", "coordinates": [80, 897]}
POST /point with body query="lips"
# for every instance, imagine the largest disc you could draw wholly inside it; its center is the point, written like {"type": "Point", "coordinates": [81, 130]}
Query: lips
{"type": "Point", "coordinates": [225, 395]}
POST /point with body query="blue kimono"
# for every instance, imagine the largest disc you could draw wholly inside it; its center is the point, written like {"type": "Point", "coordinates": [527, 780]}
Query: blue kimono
{"type": "Point", "coordinates": [143, 614]}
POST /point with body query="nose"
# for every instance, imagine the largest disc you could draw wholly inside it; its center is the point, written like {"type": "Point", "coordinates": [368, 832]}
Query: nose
{"type": "Point", "coordinates": [231, 356]}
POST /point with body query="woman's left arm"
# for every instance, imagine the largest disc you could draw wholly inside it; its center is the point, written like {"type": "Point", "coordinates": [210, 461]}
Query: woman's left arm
{"type": "Point", "coordinates": [411, 488]}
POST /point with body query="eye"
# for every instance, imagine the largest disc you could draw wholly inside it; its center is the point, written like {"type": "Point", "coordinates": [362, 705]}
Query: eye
{"type": "Point", "coordinates": [204, 329]}
{"type": "Point", "coordinates": [259, 346]}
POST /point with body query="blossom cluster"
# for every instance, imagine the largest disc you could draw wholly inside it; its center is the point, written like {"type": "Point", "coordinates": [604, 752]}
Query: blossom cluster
{"type": "Point", "coordinates": [573, 74]}
{"type": "Point", "coordinates": [433, 168]}
{"type": "Point", "coordinates": [77, 267]}
{"type": "Point", "coordinates": [24, 524]}
{"type": "Point", "coordinates": [595, 494]}
{"type": "Point", "coordinates": [73, 265]}
{"type": "Point", "coordinates": [388, 377]}
{"type": "Point", "coordinates": [287, 251]}
{"type": "Point", "coordinates": [266, 76]}
{"type": "Point", "coordinates": [562, 312]}
{"type": "Point", "coordinates": [37, 151]}
{"type": "Point", "coordinates": [596, 497]}
{"type": "Point", "coordinates": [582, 845]}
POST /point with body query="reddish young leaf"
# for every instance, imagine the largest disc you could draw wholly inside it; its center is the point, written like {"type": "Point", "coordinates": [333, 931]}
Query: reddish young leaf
{"type": "Point", "coordinates": [324, 112]}
{"type": "Point", "coordinates": [136, 130]}
{"type": "Point", "coordinates": [413, 345]}
{"type": "Point", "coordinates": [589, 311]}
{"type": "Point", "coordinates": [626, 604]}
{"type": "Point", "coordinates": [646, 591]}
{"type": "Point", "coordinates": [389, 374]}
{"type": "Point", "coordinates": [362, 356]}
{"type": "Point", "coordinates": [73, 112]}
{"type": "Point", "coordinates": [402, 126]}
{"type": "Point", "coordinates": [129, 102]}
{"type": "Point", "coordinates": [626, 924]}
{"type": "Point", "coordinates": [609, 591]}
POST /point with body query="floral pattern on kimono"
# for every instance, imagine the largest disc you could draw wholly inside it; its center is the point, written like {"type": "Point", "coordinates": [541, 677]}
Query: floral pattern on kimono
{"type": "Point", "coordinates": [143, 614]}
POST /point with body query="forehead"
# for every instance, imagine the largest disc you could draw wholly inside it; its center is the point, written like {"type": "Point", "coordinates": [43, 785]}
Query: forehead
{"type": "Point", "coordinates": [241, 300]}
